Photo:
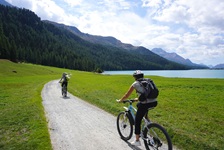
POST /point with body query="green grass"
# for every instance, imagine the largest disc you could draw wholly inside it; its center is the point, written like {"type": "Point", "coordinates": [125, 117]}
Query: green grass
{"type": "Point", "coordinates": [23, 124]}
{"type": "Point", "coordinates": [190, 109]}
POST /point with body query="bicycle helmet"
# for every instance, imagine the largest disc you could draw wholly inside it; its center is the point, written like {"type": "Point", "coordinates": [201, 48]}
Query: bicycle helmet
{"type": "Point", "coordinates": [138, 74]}
{"type": "Point", "coordinates": [64, 74]}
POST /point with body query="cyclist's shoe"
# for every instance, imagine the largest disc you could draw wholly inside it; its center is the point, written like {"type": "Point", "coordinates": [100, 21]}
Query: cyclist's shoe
{"type": "Point", "coordinates": [136, 143]}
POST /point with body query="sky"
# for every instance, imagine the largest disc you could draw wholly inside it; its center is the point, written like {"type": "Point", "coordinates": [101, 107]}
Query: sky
{"type": "Point", "coordinates": [193, 29]}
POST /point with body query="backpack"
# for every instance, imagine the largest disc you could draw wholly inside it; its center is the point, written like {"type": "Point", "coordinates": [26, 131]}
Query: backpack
{"type": "Point", "coordinates": [151, 91]}
{"type": "Point", "coordinates": [66, 78]}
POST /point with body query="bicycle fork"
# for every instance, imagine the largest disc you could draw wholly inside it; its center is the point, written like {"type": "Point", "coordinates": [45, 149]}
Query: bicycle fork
{"type": "Point", "coordinates": [130, 113]}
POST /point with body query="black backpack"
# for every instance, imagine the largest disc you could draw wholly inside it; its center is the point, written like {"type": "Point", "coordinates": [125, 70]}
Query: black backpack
{"type": "Point", "coordinates": [151, 91]}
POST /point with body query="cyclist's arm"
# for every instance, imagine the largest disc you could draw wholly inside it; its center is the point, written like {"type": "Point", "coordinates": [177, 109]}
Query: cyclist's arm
{"type": "Point", "coordinates": [60, 79]}
{"type": "Point", "coordinates": [127, 94]}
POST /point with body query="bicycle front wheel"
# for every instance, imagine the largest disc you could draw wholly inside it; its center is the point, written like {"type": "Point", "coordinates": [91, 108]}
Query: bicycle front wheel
{"type": "Point", "coordinates": [156, 138]}
{"type": "Point", "coordinates": [124, 126]}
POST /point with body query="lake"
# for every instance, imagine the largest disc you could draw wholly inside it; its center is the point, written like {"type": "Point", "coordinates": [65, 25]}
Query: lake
{"type": "Point", "coordinates": [196, 73]}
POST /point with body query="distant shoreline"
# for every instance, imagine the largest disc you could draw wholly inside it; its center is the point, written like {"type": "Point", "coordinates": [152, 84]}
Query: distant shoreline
{"type": "Point", "coordinates": [193, 73]}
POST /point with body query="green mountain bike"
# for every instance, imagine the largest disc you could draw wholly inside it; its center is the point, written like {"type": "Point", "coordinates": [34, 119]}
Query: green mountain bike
{"type": "Point", "coordinates": [154, 135]}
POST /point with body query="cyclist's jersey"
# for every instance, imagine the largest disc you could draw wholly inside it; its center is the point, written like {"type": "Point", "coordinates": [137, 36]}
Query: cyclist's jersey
{"type": "Point", "coordinates": [65, 78]}
{"type": "Point", "coordinates": [139, 89]}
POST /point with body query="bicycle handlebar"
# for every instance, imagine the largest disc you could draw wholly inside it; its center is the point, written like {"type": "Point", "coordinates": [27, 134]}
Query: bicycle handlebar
{"type": "Point", "coordinates": [128, 100]}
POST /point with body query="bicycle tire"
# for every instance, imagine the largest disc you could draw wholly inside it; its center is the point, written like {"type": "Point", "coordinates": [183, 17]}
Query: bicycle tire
{"type": "Point", "coordinates": [124, 126]}
{"type": "Point", "coordinates": [156, 137]}
{"type": "Point", "coordinates": [64, 91]}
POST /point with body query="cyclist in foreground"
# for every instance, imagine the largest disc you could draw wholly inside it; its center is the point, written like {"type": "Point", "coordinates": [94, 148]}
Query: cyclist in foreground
{"type": "Point", "coordinates": [142, 106]}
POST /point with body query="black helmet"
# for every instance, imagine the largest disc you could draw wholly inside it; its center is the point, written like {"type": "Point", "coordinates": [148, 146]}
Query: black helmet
{"type": "Point", "coordinates": [138, 74]}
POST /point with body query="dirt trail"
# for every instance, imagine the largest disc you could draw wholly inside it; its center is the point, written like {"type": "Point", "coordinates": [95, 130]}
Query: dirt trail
{"type": "Point", "coordinates": [76, 125]}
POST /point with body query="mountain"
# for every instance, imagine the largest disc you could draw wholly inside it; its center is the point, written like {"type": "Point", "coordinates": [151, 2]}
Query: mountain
{"type": "Point", "coordinates": [24, 37]}
{"type": "Point", "coordinates": [107, 41]}
{"type": "Point", "coordinates": [177, 58]}
{"type": "Point", "coordinates": [219, 66]}
{"type": "Point", "coordinates": [111, 41]}
{"type": "Point", "coordinates": [2, 2]}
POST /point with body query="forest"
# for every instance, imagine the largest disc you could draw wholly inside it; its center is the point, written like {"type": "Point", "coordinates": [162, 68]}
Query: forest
{"type": "Point", "coordinates": [25, 38]}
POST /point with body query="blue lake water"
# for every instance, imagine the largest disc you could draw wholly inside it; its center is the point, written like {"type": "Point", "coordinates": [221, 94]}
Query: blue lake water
{"type": "Point", "coordinates": [197, 73]}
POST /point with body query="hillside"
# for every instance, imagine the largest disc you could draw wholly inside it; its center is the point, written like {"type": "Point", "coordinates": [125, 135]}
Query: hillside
{"type": "Point", "coordinates": [111, 41]}
{"type": "Point", "coordinates": [108, 41]}
{"type": "Point", "coordinates": [24, 37]}
{"type": "Point", "coordinates": [176, 58]}
{"type": "Point", "coordinates": [219, 66]}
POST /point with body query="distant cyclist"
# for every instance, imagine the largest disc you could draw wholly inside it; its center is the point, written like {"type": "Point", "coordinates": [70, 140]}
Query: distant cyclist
{"type": "Point", "coordinates": [64, 79]}
{"type": "Point", "coordinates": [143, 106]}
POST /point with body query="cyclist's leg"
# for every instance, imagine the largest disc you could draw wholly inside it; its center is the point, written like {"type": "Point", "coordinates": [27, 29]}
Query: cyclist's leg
{"type": "Point", "coordinates": [150, 105]}
{"type": "Point", "coordinates": [142, 109]}
{"type": "Point", "coordinates": [62, 84]}
{"type": "Point", "coordinates": [66, 84]}
{"type": "Point", "coordinates": [62, 87]}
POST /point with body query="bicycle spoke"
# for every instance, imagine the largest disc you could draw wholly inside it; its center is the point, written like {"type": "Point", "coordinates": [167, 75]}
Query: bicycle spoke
{"type": "Point", "coordinates": [157, 138]}
{"type": "Point", "coordinates": [124, 126]}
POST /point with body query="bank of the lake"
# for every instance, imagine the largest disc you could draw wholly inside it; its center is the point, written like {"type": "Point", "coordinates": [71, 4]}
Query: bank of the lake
{"type": "Point", "coordinates": [197, 73]}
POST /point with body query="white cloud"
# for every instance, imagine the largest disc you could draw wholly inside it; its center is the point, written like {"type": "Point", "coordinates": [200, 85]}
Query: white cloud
{"type": "Point", "coordinates": [45, 9]}
{"type": "Point", "coordinates": [73, 3]}
{"type": "Point", "coordinates": [151, 3]}
{"type": "Point", "coordinates": [199, 25]}
{"type": "Point", "coordinates": [174, 14]}
{"type": "Point", "coordinates": [21, 3]}
{"type": "Point", "coordinates": [48, 9]}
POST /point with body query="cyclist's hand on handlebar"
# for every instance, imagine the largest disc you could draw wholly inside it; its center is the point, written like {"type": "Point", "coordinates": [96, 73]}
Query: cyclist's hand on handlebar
{"type": "Point", "coordinates": [136, 99]}
{"type": "Point", "coordinates": [119, 101]}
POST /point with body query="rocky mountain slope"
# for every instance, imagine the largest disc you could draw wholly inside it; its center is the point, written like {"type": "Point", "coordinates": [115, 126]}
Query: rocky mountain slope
{"type": "Point", "coordinates": [176, 58]}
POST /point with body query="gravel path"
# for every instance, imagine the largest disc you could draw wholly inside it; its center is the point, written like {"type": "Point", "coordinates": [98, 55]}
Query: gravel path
{"type": "Point", "coordinates": [76, 125]}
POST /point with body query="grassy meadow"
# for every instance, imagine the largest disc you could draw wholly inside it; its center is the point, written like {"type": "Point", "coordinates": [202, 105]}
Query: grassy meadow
{"type": "Point", "coordinates": [190, 109]}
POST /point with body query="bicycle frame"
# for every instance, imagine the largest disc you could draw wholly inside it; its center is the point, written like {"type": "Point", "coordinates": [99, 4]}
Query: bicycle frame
{"type": "Point", "coordinates": [130, 110]}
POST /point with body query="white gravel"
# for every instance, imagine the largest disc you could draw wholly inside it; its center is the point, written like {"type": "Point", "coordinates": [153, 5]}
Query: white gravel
{"type": "Point", "coordinates": [76, 125]}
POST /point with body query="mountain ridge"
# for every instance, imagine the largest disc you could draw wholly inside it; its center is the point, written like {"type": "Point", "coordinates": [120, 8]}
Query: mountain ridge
{"type": "Point", "coordinates": [97, 39]}
{"type": "Point", "coordinates": [218, 66]}
{"type": "Point", "coordinates": [176, 58]}
{"type": "Point", "coordinates": [112, 41]}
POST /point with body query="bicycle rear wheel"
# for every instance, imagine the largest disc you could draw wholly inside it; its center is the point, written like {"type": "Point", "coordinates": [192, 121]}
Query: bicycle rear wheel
{"type": "Point", "coordinates": [124, 126]}
{"type": "Point", "coordinates": [156, 138]}
{"type": "Point", "coordinates": [64, 91]}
